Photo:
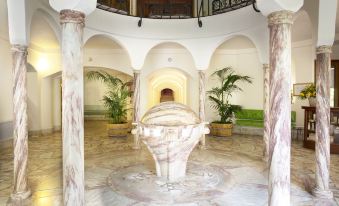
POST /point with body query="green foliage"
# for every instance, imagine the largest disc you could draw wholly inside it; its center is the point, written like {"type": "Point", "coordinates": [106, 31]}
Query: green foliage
{"type": "Point", "coordinates": [115, 99]}
{"type": "Point", "coordinates": [220, 96]}
{"type": "Point", "coordinates": [307, 92]}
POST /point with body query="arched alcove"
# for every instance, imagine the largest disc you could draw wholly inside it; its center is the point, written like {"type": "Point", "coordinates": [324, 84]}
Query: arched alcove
{"type": "Point", "coordinates": [240, 53]}
{"type": "Point", "coordinates": [94, 90]}
{"type": "Point", "coordinates": [104, 51]}
{"type": "Point", "coordinates": [167, 79]}
{"type": "Point", "coordinates": [167, 95]}
{"type": "Point", "coordinates": [169, 63]}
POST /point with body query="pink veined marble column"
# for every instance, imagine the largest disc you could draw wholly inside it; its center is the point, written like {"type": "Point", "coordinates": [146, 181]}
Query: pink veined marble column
{"type": "Point", "coordinates": [21, 190]}
{"type": "Point", "coordinates": [266, 111]}
{"type": "Point", "coordinates": [136, 106]}
{"type": "Point", "coordinates": [280, 108]}
{"type": "Point", "coordinates": [202, 92]}
{"type": "Point", "coordinates": [322, 146]}
{"type": "Point", "coordinates": [72, 23]}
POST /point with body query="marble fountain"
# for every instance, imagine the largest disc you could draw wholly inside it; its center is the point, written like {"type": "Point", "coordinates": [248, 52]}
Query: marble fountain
{"type": "Point", "coordinates": [170, 131]}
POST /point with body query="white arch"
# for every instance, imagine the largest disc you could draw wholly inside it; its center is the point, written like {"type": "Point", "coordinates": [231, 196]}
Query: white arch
{"type": "Point", "coordinates": [126, 69]}
{"type": "Point", "coordinates": [167, 78]}
{"type": "Point", "coordinates": [40, 13]}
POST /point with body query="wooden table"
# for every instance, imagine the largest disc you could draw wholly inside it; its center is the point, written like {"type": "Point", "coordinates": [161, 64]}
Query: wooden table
{"type": "Point", "coordinates": [310, 126]}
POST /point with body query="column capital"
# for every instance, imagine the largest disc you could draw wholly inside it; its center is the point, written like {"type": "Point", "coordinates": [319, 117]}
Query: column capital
{"type": "Point", "coordinates": [280, 17]}
{"type": "Point", "coordinates": [324, 49]}
{"type": "Point", "coordinates": [19, 48]}
{"type": "Point", "coordinates": [265, 66]}
{"type": "Point", "coordinates": [72, 16]}
{"type": "Point", "coordinates": [136, 71]}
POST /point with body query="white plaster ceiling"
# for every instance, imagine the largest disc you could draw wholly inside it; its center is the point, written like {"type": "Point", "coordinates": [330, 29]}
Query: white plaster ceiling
{"type": "Point", "coordinates": [169, 45]}
{"type": "Point", "coordinates": [238, 42]}
{"type": "Point", "coordinates": [101, 42]}
{"type": "Point", "coordinates": [3, 19]}
{"type": "Point", "coordinates": [302, 28]}
{"type": "Point", "coordinates": [42, 36]}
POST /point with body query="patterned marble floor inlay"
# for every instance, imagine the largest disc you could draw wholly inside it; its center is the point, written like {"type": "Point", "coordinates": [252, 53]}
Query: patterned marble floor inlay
{"type": "Point", "coordinates": [230, 172]}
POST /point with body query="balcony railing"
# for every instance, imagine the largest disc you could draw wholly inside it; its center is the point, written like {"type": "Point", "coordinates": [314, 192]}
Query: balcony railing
{"type": "Point", "coordinates": [115, 6]}
{"type": "Point", "coordinates": [168, 9]}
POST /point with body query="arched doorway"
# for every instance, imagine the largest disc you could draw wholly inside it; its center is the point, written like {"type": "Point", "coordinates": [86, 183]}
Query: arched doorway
{"type": "Point", "coordinates": [166, 95]}
{"type": "Point", "coordinates": [167, 84]}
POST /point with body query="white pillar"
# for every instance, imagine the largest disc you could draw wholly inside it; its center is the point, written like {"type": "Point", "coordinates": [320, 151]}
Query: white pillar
{"type": "Point", "coordinates": [72, 24]}
{"type": "Point", "coordinates": [202, 95]}
{"type": "Point", "coordinates": [322, 145]}
{"type": "Point", "coordinates": [266, 112]}
{"type": "Point", "coordinates": [21, 190]}
{"type": "Point", "coordinates": [280, 23]}
{"type": "Point", "coordinates": [136, 106]}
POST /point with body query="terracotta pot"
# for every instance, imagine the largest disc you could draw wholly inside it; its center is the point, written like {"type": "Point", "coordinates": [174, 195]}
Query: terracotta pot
{"type": "Point", "coordinates": [118, 130]}
{"type": "Point", "coordinates": [312, 101]}
{"type": "Point", "coordinates": [222, 130]}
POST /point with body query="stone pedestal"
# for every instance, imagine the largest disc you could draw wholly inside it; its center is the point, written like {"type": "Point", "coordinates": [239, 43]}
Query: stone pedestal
{"type": "Point", "coordinates": [202, 94]}
{"type": "Point", "coordinates": [322, 146]}
{"type": "Point", "coordinates": [170, 131]}
{"type": "Point", "coordinates": [21, 190]}
{"type": "Point", "coordinates": [72, 24]}
{"type": "Point", "coordinates": [280, 108]}
{"type": "Point", "coordinates": [136, 106]}
{"type": "Point", "coordinates": [266, 112]}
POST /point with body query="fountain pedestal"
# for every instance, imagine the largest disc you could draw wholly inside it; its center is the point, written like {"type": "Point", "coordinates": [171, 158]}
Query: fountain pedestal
{"type": "Point", "coordinates": [170, 131]}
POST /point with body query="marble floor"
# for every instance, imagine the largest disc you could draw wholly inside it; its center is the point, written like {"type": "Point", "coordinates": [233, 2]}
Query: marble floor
{"type": "Point", "coordinates": [229, 172]}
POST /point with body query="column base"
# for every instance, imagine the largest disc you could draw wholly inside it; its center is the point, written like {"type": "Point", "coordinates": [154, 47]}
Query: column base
{"type": "Point", "coordinates": [136, 147]}
{"type": "Point", "coordinates": [202, 147]}
{"type": "Point", "coordinates": [322, 194]}
{"type": "Point", "coordinates": [20, 198]}
{"type": "Point", "coordinates": [265, 158]}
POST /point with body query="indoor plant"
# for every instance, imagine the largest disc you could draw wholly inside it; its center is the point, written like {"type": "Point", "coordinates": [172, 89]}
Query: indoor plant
{"type": "Point", "coordinates": [115, 101]}
{"type": "Point", "coordinates": [309, 93]}
{"type": "Point", "coordinates": [220, 98]}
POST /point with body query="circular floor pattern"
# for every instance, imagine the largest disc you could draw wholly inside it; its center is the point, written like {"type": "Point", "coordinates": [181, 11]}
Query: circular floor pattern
{"type": "Point", "coordinates": [141, 183]}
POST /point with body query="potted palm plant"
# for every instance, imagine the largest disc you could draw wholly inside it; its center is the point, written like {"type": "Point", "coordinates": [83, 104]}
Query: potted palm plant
{"type": "Point", "coordinates": [220, 98]}
{"type": "Point", "coordinates": [115, 100]}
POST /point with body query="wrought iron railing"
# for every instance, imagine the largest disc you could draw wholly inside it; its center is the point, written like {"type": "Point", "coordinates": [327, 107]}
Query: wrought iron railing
{"type": "Point", "coordinates": [115, 6]}
{"type": "Point", "coordinates": [170, 9]}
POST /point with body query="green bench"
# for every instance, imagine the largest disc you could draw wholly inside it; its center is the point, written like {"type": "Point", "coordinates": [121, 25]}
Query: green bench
{"type": "Point", "coordinates": [255, 118]}
{"type": "Point", "coordinates": [95, 111]}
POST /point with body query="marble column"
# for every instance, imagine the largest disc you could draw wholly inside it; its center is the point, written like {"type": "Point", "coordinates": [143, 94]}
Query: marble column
{"type": "Point", "coordinates": [280, 108]}
{"type": "Point", "coordinates": [266, 112]}
{"type": "Point", "coordinates": [322, 146]}
{"type": "Point", "coordinates": [21, 190]}
{"type": "Point", "coordinates": [202, 93]}
{"type": "Point", "coordinates": [72, 24]}
{"type": "Point", "coordinates": [136, 106]}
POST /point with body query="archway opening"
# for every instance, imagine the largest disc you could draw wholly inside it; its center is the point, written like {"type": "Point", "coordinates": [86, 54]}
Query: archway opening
{"type": "Point", "coordinates": [167, 84]}
{"type": "Point", "coordinates": [166, 95]}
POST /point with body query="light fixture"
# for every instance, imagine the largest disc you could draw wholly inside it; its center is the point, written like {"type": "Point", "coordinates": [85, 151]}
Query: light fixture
{"type": "Point", "coordinates": [42, 63]}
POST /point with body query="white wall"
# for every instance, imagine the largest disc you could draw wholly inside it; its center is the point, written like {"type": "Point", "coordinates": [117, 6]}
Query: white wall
{"type": "Point", "coordinates": [94, 90]}
{"type": "Point", "coordinates": [303, 70]}
{"type": "Point", "coordinates": [33, 101]}
{"type": "Point", "coordinates": [6, 109]}
{"type": "Point", "coordinates": [178, 58]}
{"type": "Point", "coordinates": [244, 62]}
